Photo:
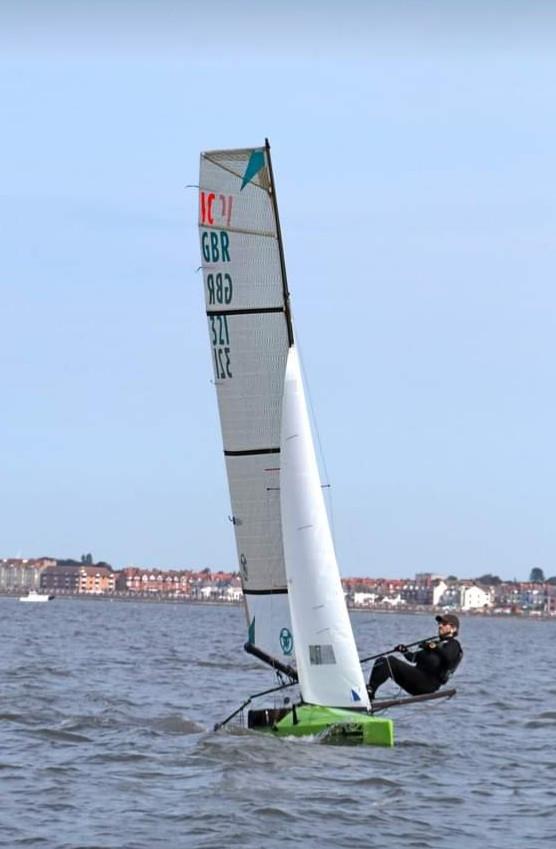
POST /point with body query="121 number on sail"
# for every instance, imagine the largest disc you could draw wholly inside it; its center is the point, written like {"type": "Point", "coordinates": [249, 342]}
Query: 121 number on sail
{"type": "Point", "coordinates": [220, 337]}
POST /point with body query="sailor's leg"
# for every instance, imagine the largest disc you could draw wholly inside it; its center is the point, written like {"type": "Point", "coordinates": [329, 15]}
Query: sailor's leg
{"type": "Point", "coordinates": [380, 673]}
{"type": "Point", "coordinates": [411, 679]}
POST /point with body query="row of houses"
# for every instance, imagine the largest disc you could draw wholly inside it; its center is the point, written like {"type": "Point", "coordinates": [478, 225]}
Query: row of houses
{"type": "Point", "coordinates": [72, 577]}
{"type": "Point", "coordinates": [467, 595]}
{"type": "Point", "coordinates": [425, 591]}
{"type": "Point", "coordinates": [187, 584]}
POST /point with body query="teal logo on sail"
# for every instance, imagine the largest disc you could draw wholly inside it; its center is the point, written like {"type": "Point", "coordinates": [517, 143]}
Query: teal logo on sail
{"type": "Point", "coordinates": [255, 164]}
{"type": "Point", "coordinates": [286, 641]}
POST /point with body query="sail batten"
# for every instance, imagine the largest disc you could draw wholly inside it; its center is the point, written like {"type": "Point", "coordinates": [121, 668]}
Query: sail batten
{"type": "Point", "coordinates": [251, 452]}
{"type": "Point", "coordinates": [256, 311]}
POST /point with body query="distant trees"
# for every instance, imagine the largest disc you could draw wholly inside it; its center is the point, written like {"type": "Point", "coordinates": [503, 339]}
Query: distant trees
{"type": "Point", "coordinates": [452, 578]}
{"type": "Point", "coordinates": [536, 576]}
{"type": "Point", "coordinates": [490, 580]}
{"type": "Point", "coordinates": [87, 559]}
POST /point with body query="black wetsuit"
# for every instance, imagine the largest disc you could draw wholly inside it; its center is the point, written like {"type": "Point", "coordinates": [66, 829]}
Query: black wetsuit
{"type": "Point", "coordinates": [434, 663]}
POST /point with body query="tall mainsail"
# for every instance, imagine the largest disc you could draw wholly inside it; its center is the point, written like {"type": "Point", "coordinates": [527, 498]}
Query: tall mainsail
{"type": "Point", "coordinates": [250, 332]}
{"type": "Point", "coordinates": [327, 661]}
{"type": "Point", "coordinates": [285, 549]}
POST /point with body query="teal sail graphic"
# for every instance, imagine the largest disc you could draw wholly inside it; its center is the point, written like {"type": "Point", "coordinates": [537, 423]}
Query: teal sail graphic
{"type": "Point", "coordinates": [256, 163]}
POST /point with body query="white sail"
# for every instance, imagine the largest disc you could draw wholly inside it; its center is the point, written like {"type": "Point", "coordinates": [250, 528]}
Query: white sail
{"type": "Point", "coordinates": [246, 298]}
{"type": "Point", "coordinates": [327, 662]}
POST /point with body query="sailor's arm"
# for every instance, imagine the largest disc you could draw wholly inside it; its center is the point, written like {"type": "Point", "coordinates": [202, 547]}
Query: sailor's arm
{"type": "Point", "coordinates": [409, 655]}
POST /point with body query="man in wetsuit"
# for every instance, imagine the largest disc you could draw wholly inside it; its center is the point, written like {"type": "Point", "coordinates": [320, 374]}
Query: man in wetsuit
{"type": "Point", "coordinates": [429, 667]}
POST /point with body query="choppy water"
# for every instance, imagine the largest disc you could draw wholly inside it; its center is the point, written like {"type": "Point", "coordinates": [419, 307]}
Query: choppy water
{"type": "Point", "coordinates": [106, 711]}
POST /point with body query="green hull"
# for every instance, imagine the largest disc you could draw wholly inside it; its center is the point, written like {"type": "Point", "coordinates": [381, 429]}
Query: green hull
{"type": "Point", "coordinates": [334, 725]}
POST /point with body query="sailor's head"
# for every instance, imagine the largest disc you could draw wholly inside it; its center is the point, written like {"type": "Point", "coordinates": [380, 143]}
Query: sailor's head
{"type": "Point", "coordinates": [448, 624]}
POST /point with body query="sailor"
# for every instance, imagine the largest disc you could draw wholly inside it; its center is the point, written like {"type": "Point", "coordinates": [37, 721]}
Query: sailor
{"type": "Point", "coordinates": [429, 667]}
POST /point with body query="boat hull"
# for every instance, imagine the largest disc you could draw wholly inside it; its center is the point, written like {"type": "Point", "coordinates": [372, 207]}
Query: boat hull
{"type": "Point", "coordinates": [36, 598]}
{"type": "Point", "coordinates": [332, 725]}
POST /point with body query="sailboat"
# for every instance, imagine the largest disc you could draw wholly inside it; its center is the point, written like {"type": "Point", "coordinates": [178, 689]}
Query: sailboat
{"type": "Point", "coordinates": [297, 619]}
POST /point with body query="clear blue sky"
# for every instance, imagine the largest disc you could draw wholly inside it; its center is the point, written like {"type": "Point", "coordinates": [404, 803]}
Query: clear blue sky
{"type": "Point", "coordinates": [414, 151]}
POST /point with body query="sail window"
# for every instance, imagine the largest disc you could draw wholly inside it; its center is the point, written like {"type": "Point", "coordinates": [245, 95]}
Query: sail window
{"type": "Point", "coordinates": [320, 655]}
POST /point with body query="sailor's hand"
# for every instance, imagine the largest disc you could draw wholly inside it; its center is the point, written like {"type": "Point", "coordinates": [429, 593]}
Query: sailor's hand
{"type": "Point", "coordinates": [401, 648]}
{"type": "Point", "coordinates": [431, 645]}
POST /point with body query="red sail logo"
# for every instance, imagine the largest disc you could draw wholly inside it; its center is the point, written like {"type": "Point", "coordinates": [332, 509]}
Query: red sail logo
{"type": "Point", "coordinates": [215, 210]}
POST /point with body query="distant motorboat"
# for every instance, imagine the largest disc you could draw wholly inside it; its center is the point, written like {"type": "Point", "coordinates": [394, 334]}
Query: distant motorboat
{"type": "Point", "coordinates": [33, 595]}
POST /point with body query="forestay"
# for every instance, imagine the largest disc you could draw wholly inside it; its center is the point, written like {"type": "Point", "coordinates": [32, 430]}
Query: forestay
{"type": "Point", "coordinates": [328, 665]}
{"type": "Point", "coordinates": [246, 299]}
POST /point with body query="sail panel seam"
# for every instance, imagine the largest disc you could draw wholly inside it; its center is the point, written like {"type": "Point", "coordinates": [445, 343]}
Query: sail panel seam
{"type": "Point", "coordinates": [265, 234]}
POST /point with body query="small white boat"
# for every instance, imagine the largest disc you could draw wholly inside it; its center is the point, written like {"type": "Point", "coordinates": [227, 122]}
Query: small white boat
{"type": "Point", "coordinates": [33, 595]}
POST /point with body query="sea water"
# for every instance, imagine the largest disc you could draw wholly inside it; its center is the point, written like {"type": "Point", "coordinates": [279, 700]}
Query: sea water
{"type": "Point", "coordinates": [106, 740]}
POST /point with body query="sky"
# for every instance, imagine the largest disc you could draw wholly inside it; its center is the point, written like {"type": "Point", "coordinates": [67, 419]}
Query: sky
{"type": "Point", "coordinates": [413, 149]}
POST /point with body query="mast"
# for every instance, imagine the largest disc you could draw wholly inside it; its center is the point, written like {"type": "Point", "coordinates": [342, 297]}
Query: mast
{"type": "Point", "coordinates": [272, 192]}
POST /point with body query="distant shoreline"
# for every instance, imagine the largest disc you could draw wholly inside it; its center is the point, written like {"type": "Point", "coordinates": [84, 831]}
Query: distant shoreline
{"type": "Point", "coordinates": [413, 611]}
{"type": "Point", "coordinates": [125, 598]}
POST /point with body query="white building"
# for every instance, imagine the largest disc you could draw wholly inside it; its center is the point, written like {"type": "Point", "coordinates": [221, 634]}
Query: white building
{"type": "Point", "coordinates": [393, 601]}
{"type": "Point", "coordinates": [438, 591]}
{"type": "Point", "coordinates": [473, 597]}
{"type": "Point", "coordinates": [233, 593]}
{"type": "Point", "coordinates": [361, 599]}
{"type": "Point", "coordinates": [18, 574]}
